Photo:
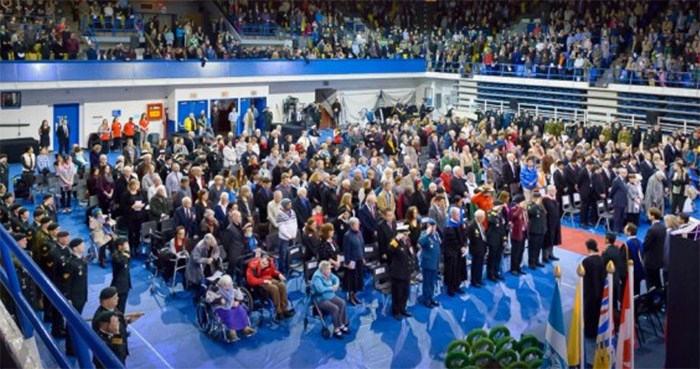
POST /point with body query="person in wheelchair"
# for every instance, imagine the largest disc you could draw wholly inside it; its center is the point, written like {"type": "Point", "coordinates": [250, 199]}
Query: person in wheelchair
{"type": "Point", "coordinates": [227, 302]}
{"type": "Point", "coordinates": [324, 285]}
{"type": "Point", "coordinates": [262, 273]}
{"type": "Point", "coordinates": [101, 234]}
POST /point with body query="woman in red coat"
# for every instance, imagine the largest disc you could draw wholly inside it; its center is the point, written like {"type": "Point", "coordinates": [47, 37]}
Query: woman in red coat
{"type": "Point", "coordinates": [518, 233]}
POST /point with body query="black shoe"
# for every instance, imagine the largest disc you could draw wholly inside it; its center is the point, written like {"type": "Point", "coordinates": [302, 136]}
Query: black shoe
{"type": "Point", "coordinates": [476, 285]}
{"type": "Point", "coordinates": [289, 313]}
{"type": "Point", "coordinates": [553, 258]}
{"type": "Point", "coordinates": [338, 335]}
{"type": "Point", "coordinates": [546, 261]}
{"type": "Point", "coordinates": [279, 317]}
{"type": "Point", "coordinates": [450, 293]}
{"type": "Point", "coordinates": [515, 273]}
{"type": "Point", "coordinates": [434, 303]}
{"type": "Point", "coordinates": [398, 316]}
{"type": "Point", "coordinates": [539, 265]}
{"type": "Point", "coordinates": [407, 314]}
{"type": "Point", "coordinates": [70, 353]}
{"type": "Point", "coordinates": [352, 302]}
{"type": "Point", "coordinates": [532, 266]}
{"type": "Point", "coordinates": [492, 279]}
{"type": "Point", "coordinates": [59, 333]}
{"type": "Point", "coordinates": [429, 305]}
{"type": "Point", "coordinates": [345, 330]}
{"type": "Point", "coordinates": [521, 272]}
{"type": "Point", "coordinates": [460, 290]}
{"type": "Point", "coordinates": [500, 277]}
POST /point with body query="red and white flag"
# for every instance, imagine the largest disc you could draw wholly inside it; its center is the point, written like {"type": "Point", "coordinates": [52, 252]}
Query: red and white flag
{"type": "Point", "coordinates": [625, 335]}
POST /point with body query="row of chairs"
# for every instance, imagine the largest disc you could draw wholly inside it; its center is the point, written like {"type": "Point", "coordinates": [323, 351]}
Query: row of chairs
{"type": "Point", "coordinates": [573, 208]}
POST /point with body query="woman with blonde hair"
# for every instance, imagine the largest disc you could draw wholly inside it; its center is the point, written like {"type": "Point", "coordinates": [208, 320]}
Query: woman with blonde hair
{"type": "Point", "coordinates": [346, 200]}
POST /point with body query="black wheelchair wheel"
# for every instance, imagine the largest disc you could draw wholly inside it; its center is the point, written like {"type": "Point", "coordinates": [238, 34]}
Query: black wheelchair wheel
{"type": "Point", "coordinates": [247, 299]}
{"type": "Point", "coordinates": [203, 318]}
{"type": "Point", "coordinates": [326, 333]}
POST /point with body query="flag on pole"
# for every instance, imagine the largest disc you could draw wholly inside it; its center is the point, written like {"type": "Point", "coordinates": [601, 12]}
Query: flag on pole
{"type": "Point", "coordinates": [603, 342]}
{"type": "Point", "coordinates": [574, 341]}
{"type": "Point", "coordinates": [555, 346]}
{"type": "Point", "coordinates": [625, 335]}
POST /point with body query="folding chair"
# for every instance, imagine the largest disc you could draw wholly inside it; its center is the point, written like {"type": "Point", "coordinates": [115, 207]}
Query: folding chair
{"type": "Point", "coordinates": [167, 225]}
{"type": "Point", "coordinates": [147, 229]}
{"type": "Point", "coordinates": [568, 209]}
{"type": "Point", "coordinates": [603, 213]}
{"type": "Point", "coordinates": [382, 284]}
{"type": "Point", "coordinates": [577, 200]}
{"type": "Point", "coordinates": [371, 255]}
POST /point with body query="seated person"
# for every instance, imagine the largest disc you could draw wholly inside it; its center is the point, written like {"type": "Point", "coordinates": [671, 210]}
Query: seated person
{"type": "Point", "coordinates": [262, 273]}
{"type": "Point", "coordinates": [101, 234]}
{"type": "Point", "coordinates": [180, 243]}
{"type": "Point", "coordinates": [250, 239]}
{"type": "Point", "coordinates": [227, 303]}
{"type": "Point", "coordinates": [324, 285]}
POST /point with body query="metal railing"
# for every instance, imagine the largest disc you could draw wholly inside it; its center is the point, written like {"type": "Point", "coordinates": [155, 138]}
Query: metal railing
{"type": "Point", "coordinates": [84, 338]}
{"type": "Point", "coordinates": [259, 29]}
{"type": "Point", "coordinates": [590, 75]}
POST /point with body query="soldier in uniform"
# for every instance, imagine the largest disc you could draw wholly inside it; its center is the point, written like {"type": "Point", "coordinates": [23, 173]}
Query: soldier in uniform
{"type": "Point", "coordinates": [536, 231]}
{"type": "Point", "coordinates": [25, 281]}
{"type": "Point", "coordinates": [109, 299]}
{"type": "Point", "coordinates": [58, 255]}
{"type": "Point", "coordinates": [43, 258]}
{"type": "Point", "coordinates": [121, 271]}
{"type": "Point", "coordinates": [20, 223]}
{"type": "Point", "coordinates": [107, 326]}
{"type": "Point", "coordinates": [7, 200]}
{"type": "Point", "coordinates": [496, 238]}
{"type": "Point", "coordinates": [400, 254]}
{"type": "Point", "coordinates": [49, 207]}
{"type": "Point", "coordinates": [74, 282]}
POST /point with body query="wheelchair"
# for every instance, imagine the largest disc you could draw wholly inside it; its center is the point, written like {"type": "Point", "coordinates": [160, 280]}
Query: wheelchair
{"type": "Point", "coordinates": [312, 308]}
{"type": "Point", "coordinates": [261, 304]}
{"type": "Point", "coordinates": [206, 319]}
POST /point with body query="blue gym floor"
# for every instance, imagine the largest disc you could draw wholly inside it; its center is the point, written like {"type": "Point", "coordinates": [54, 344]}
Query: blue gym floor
{"type": "Point", "coordinates": [167, 337]}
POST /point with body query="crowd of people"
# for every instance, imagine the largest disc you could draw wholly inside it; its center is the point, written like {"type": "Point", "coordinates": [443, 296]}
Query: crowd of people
{"type": "Point", "coordinates": [426, 189]}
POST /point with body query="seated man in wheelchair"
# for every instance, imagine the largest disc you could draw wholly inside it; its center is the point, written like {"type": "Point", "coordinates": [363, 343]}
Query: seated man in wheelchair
{"type": "Point", "coordinates": [228, 304]}
{"type": "Point", "coordinates": [261, 273]}
{"type": "Point", "coordinates": [324, 285]}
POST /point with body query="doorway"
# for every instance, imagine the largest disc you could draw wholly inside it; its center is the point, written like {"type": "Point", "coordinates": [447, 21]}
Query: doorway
{"type": "Point", "coordinates": [71, 113]}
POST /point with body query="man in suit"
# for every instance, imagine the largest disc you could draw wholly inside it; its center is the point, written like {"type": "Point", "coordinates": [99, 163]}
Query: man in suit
{"type": "Point", "coordinates": [458, 184]}
{"type": "Point", "coordinates": [600, 190]}
{"type": "Point", "coordinates": [559, 182]}
{"type": "Point", "coordinates": [386, 199]}
{"type": "Point", "coordinates": [669, 152]}
{"type": "Point", "coordinates": [369, 219]}
{"type": "Point", "coordinates": [400, 257]}
{"type": "Point", "coordinates": [653, 256]}
{"type": "Point", "coordinates": [263, 197]}
{"type": "Point", "coordinates": [585, 188]}
{"type": "Point", "coordinates": [618, 194]}
{"type": "Point", "coordinates": [221, 209]}
{"type": "Point", "coordinates": [477, 247]}
{"type": "Point", "coordinates": [330, 199]}
{"type": "Point", "coordinates": [537, 230]}
{"type": "Point", "coordinates": [511, 173]}
{"type": "Point", "coordinates": [647, 169]}
{"type": "Point", "coordinates": [121, 271]}
{"type": "Point", "coordinates": [386, 231]}
{"type": "Point", "coordinates": [74, 283]}
{"type": "Point", "coordinates": [570, 177]}
{"type": "Point", "coordinates": [302, 207]}
{"type": "Point", "coordinates": [63, 135]}
{"type": "Point", "coordinates": [612, 253]}
{"type": "Point", "coordinates": [232, 242]}
{"type": "Point", "coordinates": [186, 216]}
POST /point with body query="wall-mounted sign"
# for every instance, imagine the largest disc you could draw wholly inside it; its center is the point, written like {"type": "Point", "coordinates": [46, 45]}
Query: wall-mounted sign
{"type": "Point", "coordinates": [224, 93]}
{"type": "Point", "coordinates": [116, 113]}
{"type": "Point", "coordinates": [193, 95]}
{"type": "Point", "coordinates": [154, 111]}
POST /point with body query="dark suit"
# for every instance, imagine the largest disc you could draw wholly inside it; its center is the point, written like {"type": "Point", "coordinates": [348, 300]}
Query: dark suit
{"type": "Point", "coordinates": [618, 194]}
{"type": "Point", "coordinates": [536, 232]}
{"type": "Point", "coordinates": [233, 244]}
{"type": "Point", "coordinates": [220, 215]}
{"type": "Point", "coordinates": [385, 233]}
{"type": "Point", "coordinates": [63, 135]}
{"type": "Point", "coordinates": [477, 249]}
{"type": "Point", "coordinates": [647, 170]}
{"type": "Point", "coordinates": [653, 256]}
{"type": "Point", "coordinates": [302, 208]}
{"type": "Point", "coordinates": [458, 186]}
{"type": "Point", "coordinates": [121, 277]}
{"type": "Point", "coordinates": [670, 154]}
{"type": "Point", "coordinates": [262, 197]}
{"type": "Point", "coordinates": [329, 201]}
{"type": "Point", "coordinates": [511, 176]}
{"type": "Point", "coordinates": [189, 222]}
{"type": "Point", "coordinates": [570, 179]}
{"type": "Point", "coordinates": [368, 223]}
{"type": "Point", "coordinates": [496, 237]}
{"type": "Point", "coordinates": [612, 253]}
{"type": "Point", "coordinates": [455, 264]}
{"type": "Point", "coordinates": [560, 184]}
{"type": "Point", "coordinates": [585, 189]}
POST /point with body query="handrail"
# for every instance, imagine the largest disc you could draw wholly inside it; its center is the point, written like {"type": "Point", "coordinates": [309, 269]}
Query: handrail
{"type": "Point", "coordinates": [589, 75]}
{"type": "Point", "coordinates": [83, 336]}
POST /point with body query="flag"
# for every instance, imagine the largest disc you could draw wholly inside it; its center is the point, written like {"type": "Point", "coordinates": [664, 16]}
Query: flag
{"type": "Point", "coordinates": [574, 341]}
{"type": "Point", "coordinates": [625, 335]}
{"type": "Point", "coordinates": [603, 342]}
{"type": "Point", "coordinates": [555, 345]}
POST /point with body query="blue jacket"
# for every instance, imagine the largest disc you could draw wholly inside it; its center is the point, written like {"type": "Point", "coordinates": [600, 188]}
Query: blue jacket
{"type": "Point", "coordinates": [528, 177]}
{"type": "Point", "coordinates": [353, 246]}
{"type": "Point", "coordinates": [322, 288]}
{"type": "Point", "coordinates": [430, 250]}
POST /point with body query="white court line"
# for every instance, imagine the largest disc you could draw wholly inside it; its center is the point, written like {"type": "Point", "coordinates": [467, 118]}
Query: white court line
{"type": "Point", "coordinates": [148, 344]}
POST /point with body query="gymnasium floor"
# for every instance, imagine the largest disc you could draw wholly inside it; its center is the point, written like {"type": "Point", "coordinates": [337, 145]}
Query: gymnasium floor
{"type": "Point", "coordinates": [166, 336]}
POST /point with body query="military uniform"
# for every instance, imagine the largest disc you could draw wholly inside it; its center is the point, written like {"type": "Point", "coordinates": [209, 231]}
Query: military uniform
{"type": "Point", "coordinates": [400, 255]}
{"type": "Point", "coordinates": [74, 285]}
{"type": "Point", "coordinates": [536, 232]}
{"type": "Point", "coordinates": [122, 326]}
{"type": "Point", "coordinates": [496, 237]}
{"type": "Point", "coordinates": [121, 277]}
{"type": "Point", "coordinates": [116, 343]}
{"type": "Point", "coordinates": [42, 256]}
{"type": "Point", "coordinates": [57, 257]}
